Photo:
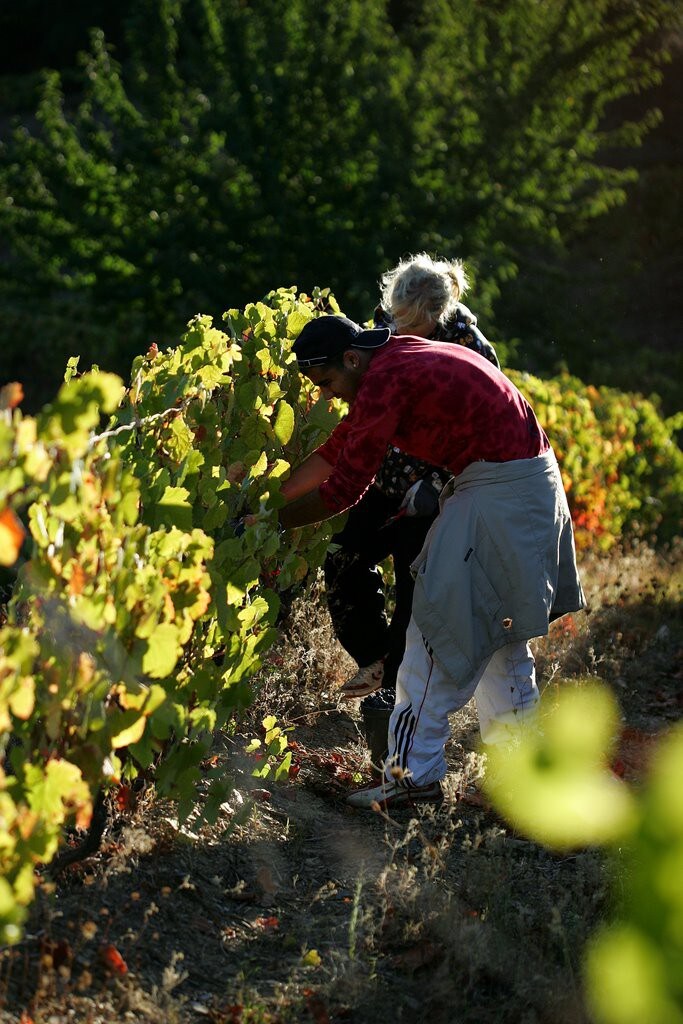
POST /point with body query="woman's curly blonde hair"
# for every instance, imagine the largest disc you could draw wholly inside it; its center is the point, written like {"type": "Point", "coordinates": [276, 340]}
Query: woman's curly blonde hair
{"type": "Point", "coordinates": [421, 292]}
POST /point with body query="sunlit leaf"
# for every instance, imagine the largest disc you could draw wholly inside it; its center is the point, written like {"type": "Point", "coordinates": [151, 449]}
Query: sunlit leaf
{"type": "Point", "coordinates": [127, 727]}
{"type": "Point", "coordinates": [22, 699]}
{"type": "Point", "coordinates": [162, 651]}
{"type": "Point", "coordinates": [284, 422]}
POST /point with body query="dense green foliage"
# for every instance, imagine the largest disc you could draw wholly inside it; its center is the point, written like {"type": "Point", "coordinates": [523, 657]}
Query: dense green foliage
{"type": "Point", "coordinates": [307, 142]}
{"type": "Point", "coordinates": [141, 611]}
{"type": "Point", "coordinates": [621, 465]}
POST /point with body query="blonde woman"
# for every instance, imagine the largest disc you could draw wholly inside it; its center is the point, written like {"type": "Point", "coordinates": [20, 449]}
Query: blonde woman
{"type": "Point", "coordinates": [419, 296]}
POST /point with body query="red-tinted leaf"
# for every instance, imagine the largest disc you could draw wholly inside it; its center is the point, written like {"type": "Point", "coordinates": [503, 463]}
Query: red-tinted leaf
{"type": "Point", "coordinates": [123, 798]}
{"type": "Point", "coordinates": [633, 753]}
{"type": "Point", "coordinates": [267, 923]}
{"type": "Point", "coordinates": [12, 535]}
{"type": "Point", "coordinates": [77, 581]}
{"type": "Point", "coordinates": [113, 960]}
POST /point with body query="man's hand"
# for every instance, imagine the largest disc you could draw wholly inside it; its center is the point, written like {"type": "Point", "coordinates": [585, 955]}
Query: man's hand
{"type": "Point", "coordinates": [240, 525]}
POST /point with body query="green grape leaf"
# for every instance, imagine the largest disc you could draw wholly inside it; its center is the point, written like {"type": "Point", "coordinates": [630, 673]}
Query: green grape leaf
{"type": "Point", "coordinates": [284, 423]}
{"type": "Point", "coordinates": [71, 368]}
{"type": "Point", "coordinates": [211, 376]}
{"type": "Point", "coordinates": [22, 699]}
{"type": "Point", "coordinates": [126, 727]}
{"type": "Point", "coordinates": [296, 322]}
{"type": "Point", "coordinates": [179, 439]}
{"type": "Point", "coordinates": [173, 509]}
{"type": "Point", "coordinates": [278, 469]}
{"type": "Point", "coordinates": [162, 652]}
{"type": "Point", "coordinates": [60, 790]}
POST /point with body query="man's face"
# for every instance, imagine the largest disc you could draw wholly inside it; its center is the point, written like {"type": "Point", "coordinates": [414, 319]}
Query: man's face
{"type": "Point", "coordinates": [339, 381]}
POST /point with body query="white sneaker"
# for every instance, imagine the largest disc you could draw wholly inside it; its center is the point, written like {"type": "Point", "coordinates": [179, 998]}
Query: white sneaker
{"type": "Point", "coordinates": [365, 681]}
{"type": "Point", "coordinates": [389, 796]}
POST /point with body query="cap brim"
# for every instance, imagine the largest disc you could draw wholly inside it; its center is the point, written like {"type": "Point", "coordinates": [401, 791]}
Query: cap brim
{"type": "Point", "coordinates": [373, 338]}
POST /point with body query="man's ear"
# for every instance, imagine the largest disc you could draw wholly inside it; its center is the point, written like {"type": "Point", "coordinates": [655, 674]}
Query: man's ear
{"type": "Point", "coordinates": [352, 360]}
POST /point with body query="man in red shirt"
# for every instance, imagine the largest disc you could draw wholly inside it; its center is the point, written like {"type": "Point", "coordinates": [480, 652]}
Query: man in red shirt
{"type": "Point", "coordinates": [499, 561]}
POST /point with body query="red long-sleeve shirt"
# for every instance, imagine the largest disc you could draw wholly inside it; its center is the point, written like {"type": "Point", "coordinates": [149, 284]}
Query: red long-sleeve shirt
{"type": "Point", "coordinates": [439, 402]}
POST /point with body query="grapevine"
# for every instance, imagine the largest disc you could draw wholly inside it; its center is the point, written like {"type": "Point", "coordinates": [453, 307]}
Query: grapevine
{"type": "Point", "coordinates": [139, 616]}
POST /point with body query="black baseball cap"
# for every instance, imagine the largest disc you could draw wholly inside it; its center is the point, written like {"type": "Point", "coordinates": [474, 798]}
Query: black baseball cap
{"type": "Point", "coordinates": [328, 336]}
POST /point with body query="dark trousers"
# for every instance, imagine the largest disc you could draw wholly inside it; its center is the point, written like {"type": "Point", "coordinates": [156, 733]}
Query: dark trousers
{"type": "Point", "coordinates": [355, 592]}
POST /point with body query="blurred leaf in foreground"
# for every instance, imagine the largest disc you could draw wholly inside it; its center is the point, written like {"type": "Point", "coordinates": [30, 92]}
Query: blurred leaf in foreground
{"type": "Point", "coordinates": [554, 784]}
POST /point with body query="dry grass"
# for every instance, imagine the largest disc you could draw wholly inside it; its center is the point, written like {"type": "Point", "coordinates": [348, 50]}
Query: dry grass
{"type": "Point", "coordinates": [306, 911]}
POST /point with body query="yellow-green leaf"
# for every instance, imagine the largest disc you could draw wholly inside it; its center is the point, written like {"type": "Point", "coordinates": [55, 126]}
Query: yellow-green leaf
{"type": "Point", "coordinates": [128, 727]}
{"type": "Point", "coordinates": [284, 422]}
{"type": "Point", "coordinates": [162, 651]}
{"type": "Point", "coordinates": [22, 699]}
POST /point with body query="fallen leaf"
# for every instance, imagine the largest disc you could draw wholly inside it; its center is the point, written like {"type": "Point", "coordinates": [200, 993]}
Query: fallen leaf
{"type": "Point", "coordinates": [264, 877]}
{"type": "Point", "coordinates": [633, 753]}
{"type": "Point", "coordinates": [417, 956]}
{"type": "Point", "coordinates": [113, 959]}
{"type": "Point", "coordinates": [267, 922]}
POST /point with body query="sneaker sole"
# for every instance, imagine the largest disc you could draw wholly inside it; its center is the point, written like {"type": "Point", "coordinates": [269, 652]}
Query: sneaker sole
{"type": "Point", "coordinates": [400, 803]}
{"type": "Point", "coordinates": [351, 692]}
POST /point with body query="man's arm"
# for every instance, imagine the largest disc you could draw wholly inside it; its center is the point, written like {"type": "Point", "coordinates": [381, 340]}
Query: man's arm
{"type": "Point", "coordinates": [306, 477]}
{"type": "Point", "coordinates": [301, 491]}
{"type": "Point", "coordinates": [307, 508]}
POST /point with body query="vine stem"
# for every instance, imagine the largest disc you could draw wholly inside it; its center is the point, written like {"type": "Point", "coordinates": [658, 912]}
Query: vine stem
{"type": "Point", "coordinates": [175, 411]}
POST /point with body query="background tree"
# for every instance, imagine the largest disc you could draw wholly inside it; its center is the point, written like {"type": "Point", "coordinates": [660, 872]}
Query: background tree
{"type": "Point", "coordinates": [238, 147]}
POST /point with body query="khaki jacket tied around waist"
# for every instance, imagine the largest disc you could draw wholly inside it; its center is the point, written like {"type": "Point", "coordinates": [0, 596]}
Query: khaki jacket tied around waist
{"type": "Point", "coordinates": [498, 564]}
